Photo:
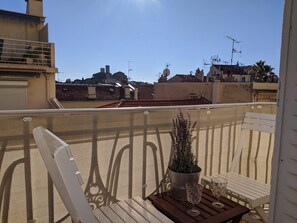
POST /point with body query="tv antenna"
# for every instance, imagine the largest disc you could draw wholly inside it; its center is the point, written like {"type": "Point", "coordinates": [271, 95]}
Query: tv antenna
{"type": "Point", "coordinates": [215, 59]}
{"type": "Point", "coordinates": [205, 64]}
{"type": "Point", "coordinates": [233, 49]}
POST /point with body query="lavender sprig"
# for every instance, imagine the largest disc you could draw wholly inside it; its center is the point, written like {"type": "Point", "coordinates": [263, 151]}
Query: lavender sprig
{"type": "Point", "coordinates": [182, 160]}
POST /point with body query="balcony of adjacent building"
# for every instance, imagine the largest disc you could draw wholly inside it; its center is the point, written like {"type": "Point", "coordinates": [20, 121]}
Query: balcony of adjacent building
{"type": "Point", "coordinates": [26, 57]}
{"type": "Point", "coordinates": [121, 153]}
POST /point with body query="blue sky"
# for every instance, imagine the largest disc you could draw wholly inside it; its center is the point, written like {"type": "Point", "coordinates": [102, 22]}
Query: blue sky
{"type": "Point", "coordinates": [151, 33]}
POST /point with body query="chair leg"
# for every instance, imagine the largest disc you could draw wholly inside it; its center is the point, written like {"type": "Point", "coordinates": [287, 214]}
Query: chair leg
{"type": "Point", "coordinates": [250, 219]}
{"type": "Point", "coordinates": [261, 213]}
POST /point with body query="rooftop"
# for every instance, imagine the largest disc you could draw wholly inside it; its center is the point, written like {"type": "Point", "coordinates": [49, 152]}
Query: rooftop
{"type": "Point", "coordinates": [233, 69]}
{"type": "Point", "coordinates": [20, 16]}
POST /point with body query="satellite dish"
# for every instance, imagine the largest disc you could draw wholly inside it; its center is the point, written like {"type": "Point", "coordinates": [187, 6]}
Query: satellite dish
{"type": "Point", "coordinates": [166, 72]}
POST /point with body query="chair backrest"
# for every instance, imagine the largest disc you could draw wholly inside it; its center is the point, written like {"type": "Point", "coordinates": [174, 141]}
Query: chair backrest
{"type": "Point", "coordinates": [64, 173]}
{"type": "Point", "coordinates": [255, 122]}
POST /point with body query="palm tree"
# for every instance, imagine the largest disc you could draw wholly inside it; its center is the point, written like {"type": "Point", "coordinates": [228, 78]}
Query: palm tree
{"type": "Point", "coordinates": [262, 71]}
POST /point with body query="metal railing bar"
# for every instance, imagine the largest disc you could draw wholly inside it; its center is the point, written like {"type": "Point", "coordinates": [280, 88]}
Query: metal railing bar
{"type": "Point", "coordinates": [28, 49]}
{"type": "Point", "coordinates": [234, 135]}
{"type": "Point", "coordinates": [197, 133]}
{"type": "Point", "coordinates": [212, 148]}
{"type": "Point", "coordinates": [27, 167]}
{"type": "Point", "coordinates": [221, 148]}
{"type": "Point", "coordinates": [144, 153]}
{"type": "Point", "coordinates": [25, 41]}
{"type": "Point", "coordinates": [131, 146]}
{"type": "Point", "coordinates": [206, 143]}
{"type": "Point", "coordinates": [229, 147]}
{"type": "Point", "coordinates": [70, 111]}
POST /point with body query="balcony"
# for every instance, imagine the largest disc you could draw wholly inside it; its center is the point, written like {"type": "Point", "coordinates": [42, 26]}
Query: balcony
{"type": "Point", "coordinates": [120, 152]}
{"type": "Point", "coordinates": [23, 55]}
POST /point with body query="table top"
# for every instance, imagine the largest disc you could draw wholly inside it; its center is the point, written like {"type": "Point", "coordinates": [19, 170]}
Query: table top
{"type": "Point", "coordinates": [177, 210]}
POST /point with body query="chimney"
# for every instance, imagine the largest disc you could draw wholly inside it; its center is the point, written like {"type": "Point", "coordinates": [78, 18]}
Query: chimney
{"type": "Point", "coordinates": [199, 74]}
{"type": "Point", "coordinates": [127, 92]}
{"type": "Point", "coordinates": [136, 94]}
{"type": "Point", "coordinates": [35, 7]}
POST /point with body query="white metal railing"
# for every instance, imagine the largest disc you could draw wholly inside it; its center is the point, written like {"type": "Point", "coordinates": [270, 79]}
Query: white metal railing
{"type": "Point", "coordinates": [26, 52]}
{"type": "Point", "coordinates": [120, 152]}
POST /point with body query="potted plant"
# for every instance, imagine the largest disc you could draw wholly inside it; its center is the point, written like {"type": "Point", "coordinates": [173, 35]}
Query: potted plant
{"type": "Point", "coordinates": [183, 166]}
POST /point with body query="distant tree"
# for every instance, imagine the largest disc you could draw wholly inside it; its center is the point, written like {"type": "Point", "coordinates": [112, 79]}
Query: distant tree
{"type": "Point", "coordinates": [262, 71]}
{"type": "Point", "coordinates": [68, 81]}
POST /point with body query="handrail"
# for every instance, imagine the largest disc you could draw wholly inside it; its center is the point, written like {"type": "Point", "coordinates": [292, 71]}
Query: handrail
{"type": "Point", "coordinates": [129, 109]}
{"type": "Point", "coordinates": [26, 52]}
{"type": "Point", "coordinates": [29, 41]}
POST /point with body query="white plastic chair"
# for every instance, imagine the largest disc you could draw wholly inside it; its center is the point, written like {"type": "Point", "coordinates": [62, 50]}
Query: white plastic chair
{"type": "Point", "coordinates": [243, 188]}
{"type": "Point", "coordinates": [67, 179]}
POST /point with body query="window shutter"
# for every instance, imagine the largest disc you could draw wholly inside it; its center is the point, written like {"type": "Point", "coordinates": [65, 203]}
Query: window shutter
{"type": "Point", "coordinates": [283, 199]}
{"type": "Point", "coordinates": [13, 95]}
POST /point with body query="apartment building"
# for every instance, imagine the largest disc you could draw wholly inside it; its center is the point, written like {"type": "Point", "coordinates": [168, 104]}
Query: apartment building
{"type": "Point", "coordinates": [27, 59]}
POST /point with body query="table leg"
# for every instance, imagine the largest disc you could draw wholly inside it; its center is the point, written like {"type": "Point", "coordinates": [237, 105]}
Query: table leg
{"type": "Point", "coordinates": [236, 219]}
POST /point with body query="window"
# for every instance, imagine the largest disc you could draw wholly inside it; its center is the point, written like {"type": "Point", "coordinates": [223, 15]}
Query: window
{"type": "Point", "coordinates": [13, 95]}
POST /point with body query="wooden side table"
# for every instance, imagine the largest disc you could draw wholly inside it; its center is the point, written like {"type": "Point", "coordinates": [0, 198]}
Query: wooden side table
{"type": "Point", "coordinates": [177, 210]}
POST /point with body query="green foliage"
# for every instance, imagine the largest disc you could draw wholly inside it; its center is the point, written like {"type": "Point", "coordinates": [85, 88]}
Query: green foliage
{"type": "Point", "coordinates": [262, 71]}
{"type": "Point", "coordinates": [182, 159]}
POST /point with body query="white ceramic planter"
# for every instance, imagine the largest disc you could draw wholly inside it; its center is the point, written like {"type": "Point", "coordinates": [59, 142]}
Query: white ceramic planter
{"type": "Point", "coordinates": [178, 183]}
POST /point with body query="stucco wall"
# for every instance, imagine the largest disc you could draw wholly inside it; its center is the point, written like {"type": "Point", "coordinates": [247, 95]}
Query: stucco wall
{"type": "Point", "coordinates": [235, 92]}
{"type": "Point", "coordinates": [224, 92]}
{"type": "Point", "coordinates": [39, 90]}
{"type": "Point", "coordinates": [171, 91]}
{"type": "Point", "coordinates": [15, 29]}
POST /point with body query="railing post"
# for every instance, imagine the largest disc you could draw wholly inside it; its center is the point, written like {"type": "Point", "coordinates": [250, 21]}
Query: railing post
{"type": "Point", "coordinates": [197, 134]}
{"type": "Point", "coordinates": [130, 183]}
{"type": "Point", "coordinates": [208, 112]}
{"type": "Point", "coordinates": [144, 157]}
{"type": "Point", "coordinates": [27, 167]}
{"type": "Point", "coordinates": [50, 185]}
